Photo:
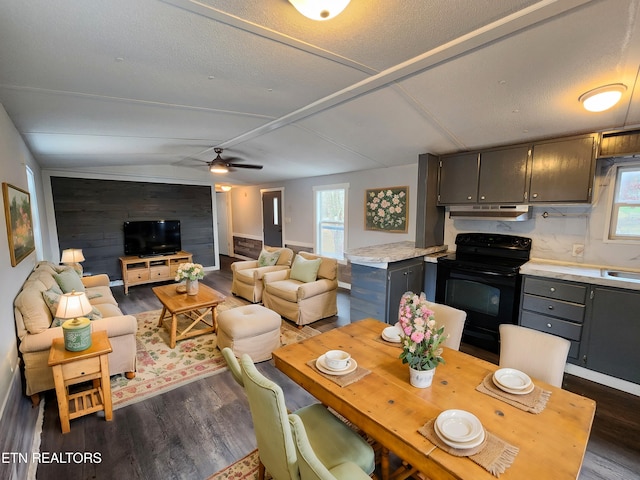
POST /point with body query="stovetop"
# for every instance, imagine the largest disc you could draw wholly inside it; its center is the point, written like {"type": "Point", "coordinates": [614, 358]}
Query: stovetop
{"type": "Point", "coordinates": [495, 251]}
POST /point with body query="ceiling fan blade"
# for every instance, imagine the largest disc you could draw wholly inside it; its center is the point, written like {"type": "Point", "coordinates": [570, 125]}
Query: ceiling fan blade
{"type": "Point", "coordinates": [244, 165]}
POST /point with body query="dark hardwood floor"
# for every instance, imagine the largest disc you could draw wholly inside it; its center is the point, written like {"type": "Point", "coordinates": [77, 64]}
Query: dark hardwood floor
{"type": "Point", "coordinates": [196, 430]}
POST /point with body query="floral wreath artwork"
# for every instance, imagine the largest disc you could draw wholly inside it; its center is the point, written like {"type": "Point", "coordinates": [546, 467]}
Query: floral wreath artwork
{"type": "Point", "coordinates": [387, 209]}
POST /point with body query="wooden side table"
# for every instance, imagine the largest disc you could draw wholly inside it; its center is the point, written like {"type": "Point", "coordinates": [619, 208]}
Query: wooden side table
{"type": "Point", "coordinates": [71, 368]}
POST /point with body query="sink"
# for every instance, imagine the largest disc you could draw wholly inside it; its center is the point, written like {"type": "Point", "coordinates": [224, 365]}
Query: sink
{"type": "Point", "coordinates": [621, 274]}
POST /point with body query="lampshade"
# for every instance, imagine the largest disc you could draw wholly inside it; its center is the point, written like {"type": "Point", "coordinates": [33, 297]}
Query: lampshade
{"type": "Point", "coordinates": [72, 255]}
{"type": "Point", "coordinates": [320, 9]}
{"type": "Point", "coordinates": [73, 305]}
{"type": "Point", "coordinates": [602, 98]}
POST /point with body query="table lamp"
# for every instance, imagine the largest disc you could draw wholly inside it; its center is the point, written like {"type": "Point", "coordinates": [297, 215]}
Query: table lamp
{"type": "Point", "coordinates": [77, 329]}
{"type": "Point", "coordinates": [72, 257]}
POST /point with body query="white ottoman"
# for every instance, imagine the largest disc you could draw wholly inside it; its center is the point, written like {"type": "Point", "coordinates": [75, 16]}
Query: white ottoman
{"type": "Point", "coordinates": [250, 329]}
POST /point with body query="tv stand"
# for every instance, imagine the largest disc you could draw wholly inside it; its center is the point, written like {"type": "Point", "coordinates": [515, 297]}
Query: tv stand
{"type": "Point", "coordinates": [138, 270]}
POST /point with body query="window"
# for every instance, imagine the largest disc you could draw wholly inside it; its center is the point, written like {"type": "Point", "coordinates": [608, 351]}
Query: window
{"type": "Point", "coordinates": [330, 220]}
{"type": "Point", "coordinates": [624, 216]}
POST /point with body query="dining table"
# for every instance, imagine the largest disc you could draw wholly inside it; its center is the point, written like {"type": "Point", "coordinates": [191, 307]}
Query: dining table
{"type": "Point", "coordinates": [549, 443]}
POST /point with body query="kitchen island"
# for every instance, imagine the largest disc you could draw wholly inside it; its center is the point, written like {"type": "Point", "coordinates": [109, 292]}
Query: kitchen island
{"type": "Point", "coordinates": [380, 274]}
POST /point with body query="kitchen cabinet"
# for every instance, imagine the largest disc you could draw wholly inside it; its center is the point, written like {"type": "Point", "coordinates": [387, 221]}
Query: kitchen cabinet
{"type": "Point", "coordinates": [557, 307]}
{"type": "Point", "coordinates": [458, 179]}
{"type": "Point", "coordinates": [613, 333]}
{"type": "Point", "coordinates": [563, 171]}
{"type": "Point", "coordinates": [503, 176]}
{"type": "Point", "coordinates": [556, 171]}
{"type": "Point", "coordinates": [376, 292]}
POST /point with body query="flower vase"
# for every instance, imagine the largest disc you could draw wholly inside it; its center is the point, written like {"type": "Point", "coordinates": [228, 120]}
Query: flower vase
{"type": "Point", "coordinates": [192, 287]}
{"type": "Point", "coordinates": [421, 378]}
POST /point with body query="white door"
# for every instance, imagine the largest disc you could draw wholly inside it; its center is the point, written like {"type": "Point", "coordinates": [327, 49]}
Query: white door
{"type": "Point", "coordinates": [223, 223]}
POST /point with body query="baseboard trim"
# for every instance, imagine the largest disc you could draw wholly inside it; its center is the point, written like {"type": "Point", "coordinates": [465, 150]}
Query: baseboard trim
{"type": "Point", "coordinates": [603, 379]}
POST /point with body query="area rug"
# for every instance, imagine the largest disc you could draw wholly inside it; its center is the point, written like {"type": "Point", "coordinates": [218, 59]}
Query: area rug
{"type": "Point", "coordinates": [244, 469]}
{"type": "Point", "coordinates": [160, 368]}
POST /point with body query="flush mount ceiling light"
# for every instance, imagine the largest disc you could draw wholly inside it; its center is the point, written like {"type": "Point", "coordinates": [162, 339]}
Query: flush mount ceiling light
{"type": "Point", "coordinates": [602, 98]}
{"type": "Point", "coordinates": [320, 9]}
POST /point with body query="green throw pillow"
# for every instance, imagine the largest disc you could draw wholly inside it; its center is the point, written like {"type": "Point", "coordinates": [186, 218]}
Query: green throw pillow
{"type": "Point", "coordinates": [267, 259]}
{"type": "Point", "coordinates": [304, 270]}
{"type": "Point", "coordinates": [69, 280]}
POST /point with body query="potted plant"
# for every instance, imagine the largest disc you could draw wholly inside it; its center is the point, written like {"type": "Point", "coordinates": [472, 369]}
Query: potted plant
{"type": "Point", "coordinates": [421, 338]}
{"type": "Point", "coordinates": [191, 272]}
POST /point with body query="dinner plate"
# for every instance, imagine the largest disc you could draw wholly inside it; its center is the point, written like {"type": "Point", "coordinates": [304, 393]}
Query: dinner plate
{"type": "Point", "coordinates": [391, 334]}
{"type": "Point", "coordinates": [512, 378]}
{"type": "Point", "coordinates": [459, 426]}
{"type": "Point", "coordinates": [320, 365]}
{"type": "Point", "coordinates": [529, 389]}
{"type": "Point", "coordinates": [460, 445]}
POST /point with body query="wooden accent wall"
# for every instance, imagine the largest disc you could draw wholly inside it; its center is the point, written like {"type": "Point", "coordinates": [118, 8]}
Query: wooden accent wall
{"type": "Point", "coordinates": [90, 214]}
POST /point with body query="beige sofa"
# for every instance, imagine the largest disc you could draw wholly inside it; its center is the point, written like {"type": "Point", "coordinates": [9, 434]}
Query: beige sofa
{"type": "Point", "coordinates": [33, 325]}
{"type": "Point", "coordinates": [247, 275]}
{"type": "Point", "coordinates": [303, 302]}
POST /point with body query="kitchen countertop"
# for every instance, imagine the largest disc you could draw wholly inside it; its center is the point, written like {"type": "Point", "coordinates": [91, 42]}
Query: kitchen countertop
{"type": "Point", "coordinates": [579, 273]}
{"type": "Point", "coordinates": [380, 255]}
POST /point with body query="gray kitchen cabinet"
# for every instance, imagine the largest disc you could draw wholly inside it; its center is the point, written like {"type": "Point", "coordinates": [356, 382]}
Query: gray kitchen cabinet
{"type": "Point", "coordinates": [376, 292]}
{"type": "Point", "coordinates": [613, 333]}
{"type": "Point", "coordinates": [503, 176]}
{"type": "Point", "coordinates": [402, 277]}
{"type": "Point", "coordinates": [563, 171]}
{"type": "Point", "coordinates": [458, 179]}
{"type": "Point", "coordinates": [557, 307]}
{"type": "Point", "coordinates": [557, 171]}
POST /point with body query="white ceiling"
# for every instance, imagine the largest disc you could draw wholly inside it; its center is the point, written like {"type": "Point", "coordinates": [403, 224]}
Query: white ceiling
{"type": "Point", "coordinates": [157, 83]}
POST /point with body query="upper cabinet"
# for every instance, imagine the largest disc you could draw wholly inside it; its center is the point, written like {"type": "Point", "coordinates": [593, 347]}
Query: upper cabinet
{"type": "Point", "coordinates": [558, 171]}
{"type": "Point", "coordinates": [503, 176]}
{"type": "Point", "coordinates": [563, 171]}
{"type": "Point", "coordinates": [458, 179]}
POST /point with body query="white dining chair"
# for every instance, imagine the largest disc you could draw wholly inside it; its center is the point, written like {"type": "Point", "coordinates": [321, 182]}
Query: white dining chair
{"type": "Point", "coordinates": [453, 320]}
{"type": "Point", "coordinates": [538, 354]}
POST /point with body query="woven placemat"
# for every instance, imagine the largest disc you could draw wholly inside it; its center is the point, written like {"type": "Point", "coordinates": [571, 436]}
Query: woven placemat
{"type": "Point", "coordinates": [385, 342]}
{"type": "Point", "coordinates": [494, 454]}
{"type": "Point", "coordinates": [342, 380]}
{"type": "Point", "coordinates": [534, 402]}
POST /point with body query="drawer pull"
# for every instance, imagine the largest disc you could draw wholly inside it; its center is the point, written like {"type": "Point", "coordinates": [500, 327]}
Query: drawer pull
{"type": "Point", "coordinates": [549, 325]}
{"type": "Point", "coordinates": [550, 307]}
{"type": "Point", "coordinates": [552, 289]}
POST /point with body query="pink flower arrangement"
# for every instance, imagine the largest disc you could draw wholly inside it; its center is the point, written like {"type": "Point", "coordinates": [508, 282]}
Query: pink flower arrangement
{"type": "Point", "coordinates": [420, 335]}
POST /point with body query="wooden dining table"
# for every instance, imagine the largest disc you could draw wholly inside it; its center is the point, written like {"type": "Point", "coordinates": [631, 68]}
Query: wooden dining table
{"type": "Point", "coordinates": [383, 404]}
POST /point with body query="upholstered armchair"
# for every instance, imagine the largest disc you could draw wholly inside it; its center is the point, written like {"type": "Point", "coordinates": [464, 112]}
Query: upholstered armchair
{"type": "Point", "coordinates": [247, 274]}
{"type": "Point", "coordinates": [301, 294]}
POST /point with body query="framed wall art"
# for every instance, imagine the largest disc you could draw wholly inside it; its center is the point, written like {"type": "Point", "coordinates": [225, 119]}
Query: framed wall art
{"type": "Point", "coordinates": [387, 209]}
{"type": "Point", "coordinates": [17, 211]}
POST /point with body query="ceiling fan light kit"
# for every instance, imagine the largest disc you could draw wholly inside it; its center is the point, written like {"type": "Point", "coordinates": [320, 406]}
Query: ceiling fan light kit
{"type": "Point", "coordinates": [320, 9]}
{"type": "Point", "coordinates": [602, 98]}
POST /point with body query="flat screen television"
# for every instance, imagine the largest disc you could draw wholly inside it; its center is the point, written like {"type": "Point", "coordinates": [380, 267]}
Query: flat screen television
{"type": "Point", "coordinates": [152, 237]}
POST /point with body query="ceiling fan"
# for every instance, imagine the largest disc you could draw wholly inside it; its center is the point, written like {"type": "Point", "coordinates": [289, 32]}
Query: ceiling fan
{"type": "Point", "coordinates": [220, 165]}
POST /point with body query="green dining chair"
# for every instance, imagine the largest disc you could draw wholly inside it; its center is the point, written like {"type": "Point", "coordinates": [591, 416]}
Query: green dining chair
{"type": "Point", "coordinates": [311, 468]}
{"type": "Point", "coordinates": [233, 364]}
{"type": "Point", "coordinates": [333, 442]}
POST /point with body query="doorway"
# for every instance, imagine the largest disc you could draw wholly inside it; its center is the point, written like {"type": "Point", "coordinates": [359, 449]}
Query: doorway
{"type": "Point", "coordinates": [222, 214]}
{"type": "Point", "coordinates": [272, 217]}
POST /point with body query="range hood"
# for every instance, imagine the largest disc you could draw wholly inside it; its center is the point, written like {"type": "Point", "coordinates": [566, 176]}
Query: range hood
{"type": "Point", "coordinates": [504, 213]}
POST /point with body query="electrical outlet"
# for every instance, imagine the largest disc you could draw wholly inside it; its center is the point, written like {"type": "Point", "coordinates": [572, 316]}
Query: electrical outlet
{"type": "Point", "coordinates": [578, 250]}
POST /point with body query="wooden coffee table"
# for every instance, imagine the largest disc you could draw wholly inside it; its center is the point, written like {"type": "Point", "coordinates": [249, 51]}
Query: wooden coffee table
{"type": "Point", "coordinates": [194, 307]}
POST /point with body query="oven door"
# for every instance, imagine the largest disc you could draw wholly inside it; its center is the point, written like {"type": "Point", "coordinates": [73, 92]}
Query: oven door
{"type": "Point", "coordinates": [489, 298]}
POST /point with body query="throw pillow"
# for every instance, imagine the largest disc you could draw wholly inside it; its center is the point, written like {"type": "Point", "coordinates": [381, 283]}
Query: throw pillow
{"type": "Point", "coordinates": [305, 270]}
{"type": "Point", "coordinates": [267, 259]}
{"type": "Point", "coordinates": [69, 280]}
{"type": "Point", "coordinates": [52, 299]}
